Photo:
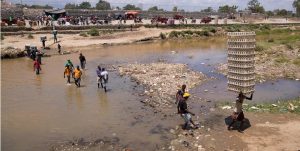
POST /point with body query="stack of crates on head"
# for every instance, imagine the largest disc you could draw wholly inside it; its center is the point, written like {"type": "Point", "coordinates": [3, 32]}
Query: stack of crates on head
{"type": "Point", "coordinates": [43, 38]}
{"type": "Point", "coordinates": [241, 59]}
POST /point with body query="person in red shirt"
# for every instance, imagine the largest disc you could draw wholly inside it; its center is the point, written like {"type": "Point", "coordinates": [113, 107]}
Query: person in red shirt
{"type": "Point", "coordinates": [37, 66]}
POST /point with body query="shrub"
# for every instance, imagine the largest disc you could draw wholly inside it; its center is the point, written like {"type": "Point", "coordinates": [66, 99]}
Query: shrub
{"type": "Point", "coordinates": [290, 47]}
{"type": "Point", "coordinates": [271, 40]}
{"type": "Point", "coordinates": [173, 34]}
{"type": "Point", "coordinates": [259, 48]}
{"type": "Point", "coordinates": [162, 36]}
{"type": "Point", "coordinates": [206, 33]}
{"type": "Point", "coordinates": [30, 36]}
{"type": "Point", "coordinates": [83, 34]}
{"type": "Point", "coordinates": [93, 32]}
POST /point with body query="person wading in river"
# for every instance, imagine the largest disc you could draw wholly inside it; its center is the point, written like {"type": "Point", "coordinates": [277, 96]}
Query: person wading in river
{"type": "Point", "coordinates": [185, 113]}
{"type": "Point", "coordinates": [179, 94]}
{"type": "Point", "coordinates": [77, 75]}
{"type": "Point", "coordinates": [104, 77]}
{"type": "Point", "coordinates": [82, 61]}
{"type": "Point", "coordinates": [99, 77]}
{"type": "Point", "coordinates": [238, 114]}
{"type": "Point", "coordinates": [36, 67]}
{"type": "Point", "coordinates": [67, 73]}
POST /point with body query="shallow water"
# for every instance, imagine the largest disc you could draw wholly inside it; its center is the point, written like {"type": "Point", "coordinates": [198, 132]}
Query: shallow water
{"type": "Point", "coordinates": [39, 111]}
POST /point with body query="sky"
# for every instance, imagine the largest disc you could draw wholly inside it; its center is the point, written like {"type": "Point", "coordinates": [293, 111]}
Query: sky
{"type": "Point", "coordinates": [188, 5]}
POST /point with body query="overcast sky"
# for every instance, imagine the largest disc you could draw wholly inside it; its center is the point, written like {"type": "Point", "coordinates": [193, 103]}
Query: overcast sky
{"type": "Point", "coordinates": [188, 5]}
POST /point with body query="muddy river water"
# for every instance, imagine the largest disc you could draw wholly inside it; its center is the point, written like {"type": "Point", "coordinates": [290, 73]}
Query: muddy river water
{"type": "Point", "coordinates": [40, 111]}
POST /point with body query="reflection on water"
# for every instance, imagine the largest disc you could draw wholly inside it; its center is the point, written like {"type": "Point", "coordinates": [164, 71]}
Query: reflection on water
{"type": "Point", "coordinates": [42, 110]}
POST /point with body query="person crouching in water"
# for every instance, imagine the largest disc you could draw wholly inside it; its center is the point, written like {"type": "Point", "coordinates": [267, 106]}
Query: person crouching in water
{"type": "Point", "coordinates": [36, 67]}
{"type": "Point", "coordinates": [185, 113]}
{"type": "Point", "coordinates": [238, 114]}
{"type": "Point", "coordinates": [67, 73]}
{"type": "Point", "coordinates": [77, 75]}
{"type": "Point", "coordinates": [104, 75]}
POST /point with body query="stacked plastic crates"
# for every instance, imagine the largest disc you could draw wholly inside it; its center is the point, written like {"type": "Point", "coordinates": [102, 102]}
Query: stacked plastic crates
{"type": "Point", "coordinates": [241, 55]}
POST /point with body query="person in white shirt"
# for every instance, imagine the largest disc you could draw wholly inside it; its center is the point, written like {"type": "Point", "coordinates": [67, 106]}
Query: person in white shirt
{"type": "Point", "coordinates": [104, 79]}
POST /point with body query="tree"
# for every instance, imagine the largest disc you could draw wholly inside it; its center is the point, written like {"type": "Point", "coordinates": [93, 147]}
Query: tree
{"type": "Point", "coordinates": [118, 8]}
{"type": "Point", "coordinates": [175, 8]}
{"type": "Point", "coordinates": [103, 5]}
{"type": "Point", "coordinates": [281, 12]}
{"type": "Point", "coordinates": [296, 4]}
{"type": "Point", "coordinates": [154, 8]}
{"type": "Point", "coordinates": [85, 5]}
{"type": "Point", "coordinates": [269, 13]}
{"type": "Point", "coordinates": [131, 7]}
{"type": "Point", "coordinates": [70, 6]}
{"type": "Point", "coordinates": [207, 10]}
{"type": "Point", "coordinates": [227, 9]}
{"type": "Point", "coordinates": [255, 7]}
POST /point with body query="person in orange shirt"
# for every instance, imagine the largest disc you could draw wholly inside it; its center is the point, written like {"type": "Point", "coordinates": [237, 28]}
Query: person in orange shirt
{"type": "Point", "coordinates": [77, 75]}
{"type": "Point", "coordinates": [67, 73]}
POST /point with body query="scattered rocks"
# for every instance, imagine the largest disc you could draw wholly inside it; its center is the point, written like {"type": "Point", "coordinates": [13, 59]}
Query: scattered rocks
{"type": "Point", "coordinates": [161, 80]}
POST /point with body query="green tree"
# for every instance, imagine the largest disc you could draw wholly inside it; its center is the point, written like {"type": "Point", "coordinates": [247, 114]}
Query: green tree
{"type": "Point", "coordinates": [281, 12]}
{"type": "Point", "coordinates": [255, 7]}
{"type": "Point", "coordinates": [154, 8]}
{"type": "Point", "coordinates": [296, 5]}
{"type": "Point", "coordinates": [207, 10]}
{"type": "Point", "coordinates": [103, 5]}
{"type": "Point", "coordinates": [227, 9]}
{"type": "Point", "coordinates": [70, 6]}
{"type": "Point", "coordinates": [85, 5]}
{"type": "Point", "coordinates": [175, 9]}
{"type": "Point", "coordinates": [269, 13]}
{"type": "Point", "coordinates": [131, 7]}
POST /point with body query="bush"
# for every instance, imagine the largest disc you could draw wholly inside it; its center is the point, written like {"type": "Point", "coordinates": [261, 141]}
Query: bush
{"type": "Point", "coordinates": [93, 32]}
{"type": "Point", "coordinates": [30, 36]}
{"type": "Point", "coordinates": [173, 34]}
{"type": "Point", "coordinates": [259, 48]}
{"type": "Point", "coordinates": [290, 47]}
{"type": "Point", "coordinates": [162, 36]}
{"type": "Point", "coordinates": [206, 33]}
{"type": "Point", "coordinates": [271, 40]}
{"type": "Point", "coordinates": [83, 34]}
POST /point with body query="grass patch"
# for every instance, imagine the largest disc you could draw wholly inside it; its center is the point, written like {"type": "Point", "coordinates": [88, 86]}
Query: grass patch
{"type": "Point", "coordinates": [281, 59]}
{"type": "Point", "coordinates": [259, 48]}
{"type": "Point", "coordinates": [30, 36]}
{"type": "Point", "coordinates": [188, 34]}
{"type": "Point", "coordinates": [297, 61]}
{"type": "Point", "coordinates": [83, 34]}
{"type": "Point", "coordinates": [93, 32]}
{"type": "Point", "coordinates": [288, 106]}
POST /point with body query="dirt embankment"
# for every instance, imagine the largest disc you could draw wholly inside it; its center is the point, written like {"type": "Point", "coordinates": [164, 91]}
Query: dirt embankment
{"type": "Point", "coordinates": [161, 81]}
{"type": "Point", "coordinates": [263, 131]}
{"type": "Point", "coordinates": [276, 62]}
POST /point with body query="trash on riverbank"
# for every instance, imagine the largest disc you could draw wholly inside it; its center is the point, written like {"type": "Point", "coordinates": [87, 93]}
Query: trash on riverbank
{"type": "Point", "coordinates": [162, 80]}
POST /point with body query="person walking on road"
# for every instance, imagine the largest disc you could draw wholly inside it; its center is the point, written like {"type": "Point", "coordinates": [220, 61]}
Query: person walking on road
{"type": "Point", "coordinates": [179, 94]}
